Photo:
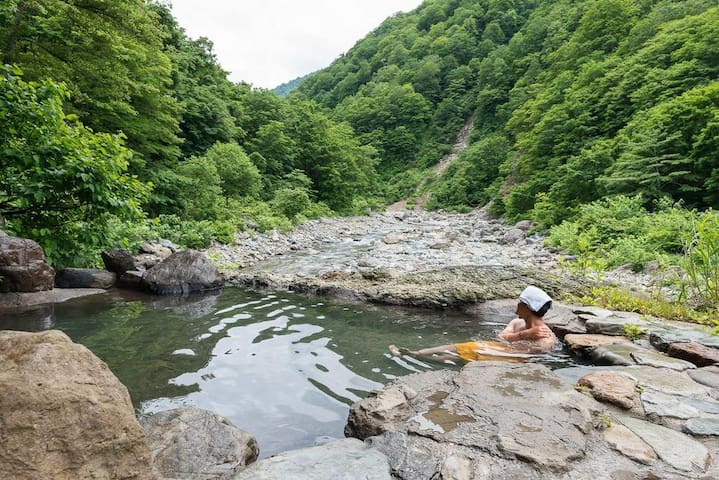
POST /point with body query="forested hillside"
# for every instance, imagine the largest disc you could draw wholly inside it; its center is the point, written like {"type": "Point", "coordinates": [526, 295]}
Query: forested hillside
{"type": "Point", "coordinates": [289, 87]}
{"type": "Point", "coordinates": [115, 126]}
{"type": "Point", "coordinates": [575, 101]}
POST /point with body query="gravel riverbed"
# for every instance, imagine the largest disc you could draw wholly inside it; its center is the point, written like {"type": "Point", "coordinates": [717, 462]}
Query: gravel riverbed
{"type": "Point", "coordinates": [354, 256]}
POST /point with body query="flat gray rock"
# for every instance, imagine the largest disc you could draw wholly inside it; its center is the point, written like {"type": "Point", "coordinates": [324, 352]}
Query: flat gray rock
{"type": "Point", "coordinates": [346, 459]}
{"type": "Point", "coordinates": [666, 380]}
{"type": "Point", "coordinates": [614, 324]}
{"type": "Point", "coordinates": [708, 376]}
{"type": "Point", "coordinates": [703, 405]}
{"type": "Point", "coordinates": [593, 340]}
{"type": "Point", "coordinates": [673, 447]}
{"type": "Point", "coordinates": [664, 405]}
{"type": "Point", "coordinates": [662, 338]}
{"type": "Point", "coordinates": [655, 359]}
{"type": "Point", "coordinates": [12, 301]}
{"type": "Point", "coordinates": [592, 313]}
{"type": "Point", "coordinates": [701, 426]}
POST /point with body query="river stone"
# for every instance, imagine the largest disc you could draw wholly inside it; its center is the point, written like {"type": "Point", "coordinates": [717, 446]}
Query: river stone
{"type": "Point", "coordinates": [346, 459]}
{"type": "Point", "coordinates": [614, 354]}
{"type": "Point", "coordinates": [379, 411]}
{"type": "Point", "coordinates": [614, 324]}
{"type": "Point", "coordinates": [156, 249]}
{"type": "Point", "coordinates": [499, 407]}
{"type": "Point", "coordinates": [666, 380]}
{"type": "Point", "coordinates": [701, 426]}
{"type": "Point", "coordinates": [700, 355]}
{"type": "Point", "coordinates": [592, 313]}
{"type": "Point", "coordinates": [118, 260]}
{"type": "Point", "coordinates": [675, 448]}
{"type": "Point", "coordinates": [662, 338]}
{"type": "Point", "coordinates": [84, 278]}
{"type": "Point", "coordinates": [703, 405]}
{"type": "Point", "coordinates": [182, 273]}
{"type": "Point", "coordinates": [23, 267]}
{"type": "Point", "coordinates": [191, 443]}
{"type": "Point", "coordinates": [524, 225]}
{"type": "Point", "coordinates": [654, 359]}
{"type": "Point", "coordinates": [393, 238]}
{"type": "Point", "coordinates": [708, 376]}
{"type": "Point", "coordinates": [456, 467]}
{"type": "Point", "coordinates": [512, 236]}
{"type": "Point", "coordinates": [589, 342]}
{"type": "Point", "coordinates": [628, 443]}
{"type": "Point", "coordinates": [664, 405]}
{"type": "Point", "coordinates": [13, 301]}
{"type": "Point", "coordinates": [612, 387]}
{"type": "Point", "coordinates": [63, 414]}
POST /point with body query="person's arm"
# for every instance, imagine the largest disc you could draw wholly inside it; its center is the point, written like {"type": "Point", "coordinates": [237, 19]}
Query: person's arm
{"type": "Point", "coordinates": [511, 329]}
{"type": "Point", "coordinates": [528, 335]}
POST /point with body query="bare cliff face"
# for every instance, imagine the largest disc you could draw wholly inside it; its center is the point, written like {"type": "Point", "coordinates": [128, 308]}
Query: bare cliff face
{"type": "Point", "coordinates": [63, 414]}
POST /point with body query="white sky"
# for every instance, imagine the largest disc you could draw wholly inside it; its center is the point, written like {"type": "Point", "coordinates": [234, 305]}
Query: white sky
{"type": "Point", "coordinates": [269, 42]}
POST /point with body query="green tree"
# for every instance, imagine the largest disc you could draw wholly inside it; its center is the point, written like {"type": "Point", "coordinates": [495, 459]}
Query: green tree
{"type": "Point", "coordinates": [239, 177]}
{"type": "Point", "coordinates": [59, 181]}
{"type": "Point", "coordinates": [110, 55]}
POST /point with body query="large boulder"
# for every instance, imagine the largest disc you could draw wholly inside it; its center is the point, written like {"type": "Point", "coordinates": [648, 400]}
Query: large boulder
{"type": "Point", "coordinates": [23, 267]}
{"type": "Point", "coordinates": [63, 414]}
{"type": "Point", "coordinates": [85, 278]}
{"type": "Point", "coordinates": [182, 273]}
{"type": "Point", "coordinates": [119, 261]}
{"type": "Point", "coordinates": [195, 444]}
{"type": "Point", "coordinates": [506, 421]}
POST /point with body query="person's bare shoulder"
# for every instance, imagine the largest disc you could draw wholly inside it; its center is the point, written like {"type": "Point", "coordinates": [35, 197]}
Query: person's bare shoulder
{"type": "Point", "coordinates": [516, 325]}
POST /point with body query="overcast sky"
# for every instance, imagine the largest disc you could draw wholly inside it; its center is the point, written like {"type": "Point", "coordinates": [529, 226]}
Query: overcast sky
{"type": "Point", "coordinates": [269, 42]}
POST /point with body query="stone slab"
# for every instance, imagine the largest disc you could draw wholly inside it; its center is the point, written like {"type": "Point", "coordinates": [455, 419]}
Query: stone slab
{"type": "Point", "coordinates": [675, 448]}
{"type": "Point", "coordinates": [339, 460]}
{"type": "Point", "coordinates": [13, 301]}
{"type": "Point", "coordinates": [616, 388]}
{"type": "Point", "coordinates": [664, 405]}
{"type": "Point", "coordinates": [700, 355]}
{"type": "Point", "coordinates": [614, 324]}
{"type": "Point", "coordinates": [708, 376]}
{"type": "Point", "coordinates": [666, 380]}
{"type": "Point", "coordinates": [629, 444]}
{"type": "Point", "coordinates": [662, 338]}
{"type": "Point", "coordinates": [701, 426]}
{"type": "Point", "coordinates": [655, 359]}
{"type": "Point", "coordinates": [589, 342]}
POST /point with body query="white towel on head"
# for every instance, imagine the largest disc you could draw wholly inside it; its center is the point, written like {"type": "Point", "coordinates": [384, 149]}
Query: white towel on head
{"type": "Point", "coordinates": [535, 298]}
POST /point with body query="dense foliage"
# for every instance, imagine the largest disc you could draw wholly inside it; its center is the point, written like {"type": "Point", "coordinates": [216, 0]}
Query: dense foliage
{"type": "Point", "coordinates": [59, 181]}
{"type": "Point", "coordinates": [574, 101]}
{"type": "Point", "coordinates": [289, 87]}
{"type": "Point", "coordinates": [112, 113]}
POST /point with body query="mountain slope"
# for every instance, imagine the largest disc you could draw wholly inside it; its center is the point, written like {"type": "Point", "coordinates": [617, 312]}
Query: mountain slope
{"type": "Point", "coordinates": [574, 100]}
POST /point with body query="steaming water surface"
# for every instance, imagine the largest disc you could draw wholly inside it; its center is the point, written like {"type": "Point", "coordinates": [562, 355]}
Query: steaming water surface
{"type": "Point", "coordinates": [281, 366]}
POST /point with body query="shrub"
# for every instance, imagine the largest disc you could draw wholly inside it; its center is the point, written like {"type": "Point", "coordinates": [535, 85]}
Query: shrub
{"type": "Point", "coordinates": [291, 201]}
{"type": "Point", "coordinates": [701, 262]}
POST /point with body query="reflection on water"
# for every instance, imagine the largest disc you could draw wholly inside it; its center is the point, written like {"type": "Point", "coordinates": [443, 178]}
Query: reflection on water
{"type": "Point", "coordinates": [283, 367]}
